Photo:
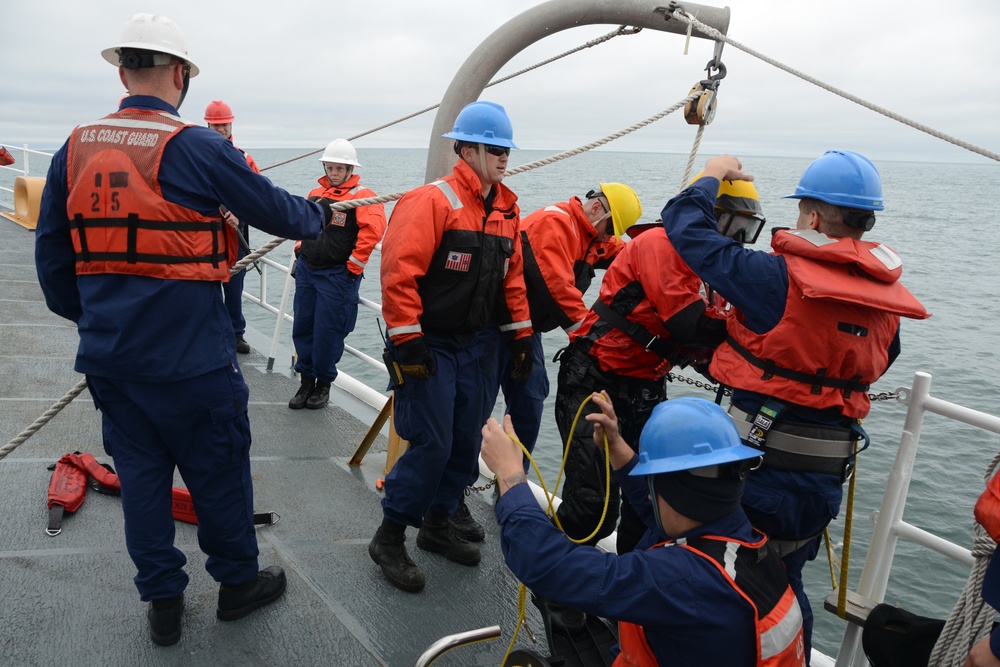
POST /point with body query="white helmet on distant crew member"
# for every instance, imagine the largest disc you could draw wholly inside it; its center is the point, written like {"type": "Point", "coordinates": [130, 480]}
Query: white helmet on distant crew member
{"type": "Point", "coordinates": [153, 33]}
{"type": "Point", "coordinates": [342, 152]}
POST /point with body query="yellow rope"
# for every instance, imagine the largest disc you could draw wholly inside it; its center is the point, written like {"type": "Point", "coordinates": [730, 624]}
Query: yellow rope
{"type": "Point", "coordinates": [550, 510]}
{"type": "Point", "coordinates": [845, 560]}
{"type": "Point", "coordinates": [831, 558]}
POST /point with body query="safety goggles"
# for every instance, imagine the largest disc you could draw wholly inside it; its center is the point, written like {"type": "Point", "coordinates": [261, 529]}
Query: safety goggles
{"type": "Point", "coordinates": [740, 227]}
{"type": "Point", "coordinates": [497, 150]}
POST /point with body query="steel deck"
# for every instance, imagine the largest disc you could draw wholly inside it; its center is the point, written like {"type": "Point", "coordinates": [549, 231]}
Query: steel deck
{"type": "Point", "coordinates": [71, 599]}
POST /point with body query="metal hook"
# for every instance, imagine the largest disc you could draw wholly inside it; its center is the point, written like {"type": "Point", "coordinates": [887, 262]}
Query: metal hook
{"type": "Point", "coordinates": [716, 64]}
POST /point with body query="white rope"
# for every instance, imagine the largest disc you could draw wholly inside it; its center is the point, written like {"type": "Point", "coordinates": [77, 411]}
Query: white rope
{"type": "Point", "coordinates": [690, 163]}
{"type": "Point", "coordinates": [43, 420]}
{"type": "Point", "coordinates": [605, 140]}
{"type": "Point", "coordinates": [972, 618]}
{"type": "Point", "coordinates": [355, 203]}
{"type": "Point", "coordinates": [622, 30]}
{"type": "Point", "coordinates": [715, 34]}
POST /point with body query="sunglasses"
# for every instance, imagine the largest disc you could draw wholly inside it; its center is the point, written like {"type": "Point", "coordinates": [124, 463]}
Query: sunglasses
{"type": "Point", "coordinates": [496, 150]}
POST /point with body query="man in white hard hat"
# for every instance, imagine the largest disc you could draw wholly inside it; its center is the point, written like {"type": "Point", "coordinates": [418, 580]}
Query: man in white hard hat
{"type": "Point", "coordinates": [219, 117]}
{"type": "Point", "coordinates": [131, 246]}
{"type": "Point", "coordinates": [328, 276]}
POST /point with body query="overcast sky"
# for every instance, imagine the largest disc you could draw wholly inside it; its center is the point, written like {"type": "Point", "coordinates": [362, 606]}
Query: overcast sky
{"type": "Point", "coordinates": [299, 73]}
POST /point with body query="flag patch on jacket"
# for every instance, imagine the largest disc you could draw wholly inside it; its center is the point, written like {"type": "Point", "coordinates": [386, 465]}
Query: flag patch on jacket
{"type": "Point", "coordinates": [458, 261]}
{"type": "Point", "coordinates": [339, 219]}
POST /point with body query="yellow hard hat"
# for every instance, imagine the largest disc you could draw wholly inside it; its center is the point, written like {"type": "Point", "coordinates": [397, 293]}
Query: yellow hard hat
{"type": "Point", "coordinates": [739, 198]}
{"type": "Point", "coordinates": [626, 208]}
{"type": "Point", "coordinates": [736, 196]}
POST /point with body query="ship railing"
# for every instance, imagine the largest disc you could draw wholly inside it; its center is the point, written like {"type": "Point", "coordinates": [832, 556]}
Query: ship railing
{"type": "Point", "coordinates": [889, 525]}
{"type": "Point", "coordinates": [20, 167]}
{"type": "Point", "coordinates": [282, 312]}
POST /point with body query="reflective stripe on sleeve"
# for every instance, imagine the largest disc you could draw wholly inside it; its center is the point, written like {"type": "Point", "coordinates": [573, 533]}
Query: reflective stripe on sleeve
{"type": "Point", "coordinates": [515, 326]}
{"type": "Point", "coordinates": [396, 331]}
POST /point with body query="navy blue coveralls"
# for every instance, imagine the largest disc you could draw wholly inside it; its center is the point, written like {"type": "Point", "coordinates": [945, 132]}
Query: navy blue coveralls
{"type": "Point", "coordinates": [681, 600]}
{"type": "Point", "coordinates": [160, 361]}
{"type": "Point", "coordinates": [784, 504]}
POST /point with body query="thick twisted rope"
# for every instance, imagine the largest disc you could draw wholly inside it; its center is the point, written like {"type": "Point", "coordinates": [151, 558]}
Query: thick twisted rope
{"type": "Point", "coordinates": [715, 34]}
{"type": "Point", "coordinates": [972, 618]}
{"type": "Point", "coordinates": [43, 420]}
{"type": "Point", "coordinates": [355, 203]}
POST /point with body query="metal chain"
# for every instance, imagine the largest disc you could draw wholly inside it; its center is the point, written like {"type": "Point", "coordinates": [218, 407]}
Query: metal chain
{"type": "Point", "coordinates": [486, 487]}
{"type": "Point", "coordinates": [883, 396]}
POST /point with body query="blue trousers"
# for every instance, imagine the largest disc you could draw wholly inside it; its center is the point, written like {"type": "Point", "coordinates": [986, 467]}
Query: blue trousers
{"type": "Point", "coordinates": [442, 419]}
{"type": "Point", "coordinates": [200, 427]}
{"type": "Point", "coordinates": [232, 294]}
{"type": "Point", "coordinates": [326, 310]}
{"type": "Point", "coordinates": [524, 399]}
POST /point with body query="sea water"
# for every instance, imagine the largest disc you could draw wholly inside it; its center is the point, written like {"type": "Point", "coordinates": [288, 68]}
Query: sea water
{"type": "Point", "coordinates": [940, 218]}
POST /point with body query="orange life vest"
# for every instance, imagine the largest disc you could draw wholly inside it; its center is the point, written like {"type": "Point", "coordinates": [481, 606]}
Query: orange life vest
{"type": "Point", "coordinates": [842, 312]}
{"type": "Point", "coordinates": [988, 508]}
{"type": "Point", "coordinates": [119, 220]}
{"type": "Point", "coordinates": [759, 577]}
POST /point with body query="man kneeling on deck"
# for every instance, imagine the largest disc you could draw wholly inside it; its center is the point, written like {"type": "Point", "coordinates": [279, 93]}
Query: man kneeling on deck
{"type": "Point", "coordinates": [713, 592]}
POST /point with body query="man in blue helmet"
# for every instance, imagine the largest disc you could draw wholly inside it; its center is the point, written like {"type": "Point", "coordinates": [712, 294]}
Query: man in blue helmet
{"type": "Point", "coordinates": [451, 271]}
{"type": "Point", "coordinates": [813, 325]}
{"type": "Point", "coordinates": [707, 574]}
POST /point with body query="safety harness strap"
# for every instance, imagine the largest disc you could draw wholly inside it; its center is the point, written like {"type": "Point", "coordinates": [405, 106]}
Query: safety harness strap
{"type": "Point", "coordinates": [826, 449]}
{"type": "Point", "coordinates": [637, 332]}
{"type": "Point", "coordinates": [816, 380]}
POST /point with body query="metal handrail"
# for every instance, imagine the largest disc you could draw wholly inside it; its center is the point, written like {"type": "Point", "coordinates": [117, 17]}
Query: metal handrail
{"type": "Point", "coordinates": [890, 526]}
{"type": "Point", "coordinates": [448, 642]}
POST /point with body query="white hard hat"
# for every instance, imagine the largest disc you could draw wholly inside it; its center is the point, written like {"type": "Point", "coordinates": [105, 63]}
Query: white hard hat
{"type": "Point", "coordinates": [340, 151]}
{"type": "Point", "coordinates": [151, 32]}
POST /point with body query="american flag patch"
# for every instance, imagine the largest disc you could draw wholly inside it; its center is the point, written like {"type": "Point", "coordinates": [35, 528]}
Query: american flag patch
{"type": "Point", "coordinates": [458, 261]}
{"type": "Point", "coordinates": [339, 218]}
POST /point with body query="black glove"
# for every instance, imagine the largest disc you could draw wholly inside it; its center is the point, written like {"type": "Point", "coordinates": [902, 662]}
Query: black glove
{"type": "Point", "coordinates": [521, 361]}
{"type": "Point", "coordinates": [415, 359]}
{"type": "Point", "coordinates": [327, 211]}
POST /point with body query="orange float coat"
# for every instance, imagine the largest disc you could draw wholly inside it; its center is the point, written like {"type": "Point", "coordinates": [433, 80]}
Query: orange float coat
{"type": "Point", "coordinates": [755, 572]}
{"type": "Point", "coordinates": [351, 235]}
{"type": "Point", "coordinates": [649, 284]}
{"type": "Point", "coordinates": [561, 251]}
{"type": "Point", "coordinates": [120, 222]}
{"type": "Point", "coordinates": [847, 294]}
{"type": "Point", "coordinates": [449, 267]}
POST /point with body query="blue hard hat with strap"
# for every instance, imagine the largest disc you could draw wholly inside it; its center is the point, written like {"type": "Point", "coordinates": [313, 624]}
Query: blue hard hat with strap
{"type": "Point", "coordinates": [483, 123]}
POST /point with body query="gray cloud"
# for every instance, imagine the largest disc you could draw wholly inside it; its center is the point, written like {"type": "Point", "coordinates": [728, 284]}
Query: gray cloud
{"type": "Point", "coordinates": [300, 72]}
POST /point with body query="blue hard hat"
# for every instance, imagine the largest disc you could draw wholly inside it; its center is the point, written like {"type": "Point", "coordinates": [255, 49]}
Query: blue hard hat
{"type": "Point", "coordinates": [842, 178]}
{"type": "Point", "coordinates": [483, 123]}
{"type": "Point", "coordinates": [687, 432]}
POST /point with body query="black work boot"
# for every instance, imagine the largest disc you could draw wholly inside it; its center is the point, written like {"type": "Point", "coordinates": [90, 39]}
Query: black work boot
{"type": "Point", "coordinates": [438, 536]}
{"type": "Point", "coordinates": [242, 346]}
{"type": "Point", "coordinates": [165, 620]}
{"type": "Point", "coordinates": [238, 601]}
{"type": "Point", "coordinates": [298, 401]}
{"type": "Point", "coordinates": [464, 525]}
{"type": "Point", "coordinates": [387, 549]}
{"type": "Point", "coordinates": [319, 397]}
